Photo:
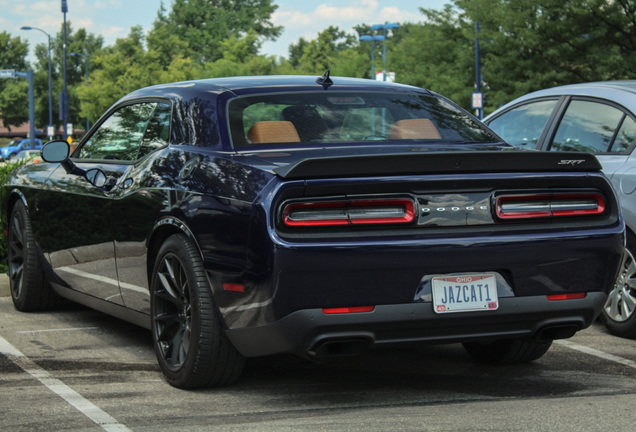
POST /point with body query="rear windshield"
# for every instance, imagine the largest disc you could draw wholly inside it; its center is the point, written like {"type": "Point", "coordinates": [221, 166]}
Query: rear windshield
{"type": "Point", "coordinates": [340, 117]}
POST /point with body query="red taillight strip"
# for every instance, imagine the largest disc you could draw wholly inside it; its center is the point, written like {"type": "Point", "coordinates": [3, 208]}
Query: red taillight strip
{"type": "Point", "coordinates": [571, 296]}
{"type": "Point", "coordinates": [346, 310]}
{"type": "Point", "coordinates": [353, 212]}
{"type": "Point", "coordinates": [549, 205]}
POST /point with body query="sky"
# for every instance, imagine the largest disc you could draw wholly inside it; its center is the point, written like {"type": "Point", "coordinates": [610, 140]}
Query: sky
{"type": "Point", "coordinates": [113, 19]}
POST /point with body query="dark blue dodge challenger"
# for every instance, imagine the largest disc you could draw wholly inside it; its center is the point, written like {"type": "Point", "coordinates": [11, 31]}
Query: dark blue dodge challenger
{"type": "Point", "coordinates": [242, 217]}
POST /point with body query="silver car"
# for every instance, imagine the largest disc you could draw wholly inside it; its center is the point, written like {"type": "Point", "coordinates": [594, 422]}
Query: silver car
{"type": "Point", "coordinates": [598, 118]}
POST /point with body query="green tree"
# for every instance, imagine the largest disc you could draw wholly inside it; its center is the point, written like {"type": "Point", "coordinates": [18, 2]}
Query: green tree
{"type": "Point", "coordinates": [79, 41]}
{"type": "Point", "coordinates": [240, 57]}
{"type": "Point", "coordinates": [296, 52]}
{"type": "Point", "coordinates": [437, 55]}
{"type": "Point", "coordinates": [14, 102]}
{"type": "Point", "coordinates": [13, 92]}
{"type": "Point", "coordinates": [204, 24]}
{"type": "Point", "coordinates": [128, 66]}
{"type": "Point", "coordinates": [527, 46]}
{"type": "Point", "coordinates": [333, 49]}
{"type": "Point", "coordinates": [162, 40]}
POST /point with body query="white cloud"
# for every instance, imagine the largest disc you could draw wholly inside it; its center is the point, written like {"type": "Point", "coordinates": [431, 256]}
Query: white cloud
{"type": "Point", "coordinates": [394, 14]}
{"type": "Point", "coordinates": [114, 32]}
{"type": "Point", "coordinates": [293, 19]}
{"type": "Point", "coordinates": [83, 22]}
{"type": "Point", "coordinates": [359, 10]}
{"type": "Point", "coordinates": [345, 15]}
{"type": "Point", "coordinates": [112, 4]}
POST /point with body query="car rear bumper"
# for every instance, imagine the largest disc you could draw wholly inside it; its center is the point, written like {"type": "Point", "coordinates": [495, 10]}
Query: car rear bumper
{"type": "Point", "coordinates": [312, 332]}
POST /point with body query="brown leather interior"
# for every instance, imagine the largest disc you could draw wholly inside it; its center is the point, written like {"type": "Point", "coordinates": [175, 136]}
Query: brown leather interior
{"type": "Point", "coordinates": [272, 132]}
{"type": "Point", "coordinates": [414, 129]}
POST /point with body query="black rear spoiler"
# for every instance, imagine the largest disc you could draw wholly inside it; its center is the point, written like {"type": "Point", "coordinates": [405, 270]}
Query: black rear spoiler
{"type": "Point", "coordinates": [439, 163]}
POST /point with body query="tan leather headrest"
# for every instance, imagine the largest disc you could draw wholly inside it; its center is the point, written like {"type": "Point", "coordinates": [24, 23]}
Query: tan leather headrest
{"type": "Point", "coordinates": [414, 129]}
{"type": "Point", "coordinates": [273, 132]}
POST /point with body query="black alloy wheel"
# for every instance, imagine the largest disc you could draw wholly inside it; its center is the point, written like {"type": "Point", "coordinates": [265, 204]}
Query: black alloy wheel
{"type": "Point", "coordinates": [191, 347]}
{"type": "Point", "coordinates": [30, 291]}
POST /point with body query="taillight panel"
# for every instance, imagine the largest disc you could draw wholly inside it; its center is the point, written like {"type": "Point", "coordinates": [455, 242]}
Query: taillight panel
{"type": "Point", "coordinates": [437, 210]}
{"type": "Point", "coordinates": [548, 205]}
{"type": "Point", "coordinates": [380, 211]}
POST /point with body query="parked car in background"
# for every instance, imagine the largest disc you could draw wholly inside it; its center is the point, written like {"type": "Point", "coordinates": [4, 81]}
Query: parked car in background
{"type": "Point", "coordinates": [14, 147]}
{"type": "Point", "coordinates": [31, 156]}
{"type": "Point", "coordinates": [598, 118]}
{"type": "Point", "coordinates": [249, 216]}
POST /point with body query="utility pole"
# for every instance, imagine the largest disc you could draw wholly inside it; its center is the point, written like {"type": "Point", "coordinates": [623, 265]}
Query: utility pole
{"type": "Point", "coordinates": [64, 92]}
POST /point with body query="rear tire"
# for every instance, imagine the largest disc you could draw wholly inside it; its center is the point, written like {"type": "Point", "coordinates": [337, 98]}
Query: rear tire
{"type": "Point", "coordinates": [190, 344]}
{"type": "Point", "coordinates": [30, 291]}
{"type": "Point", "coordinates": [507, 351]}
{"type": "Point", "coordinates": [619, 312]}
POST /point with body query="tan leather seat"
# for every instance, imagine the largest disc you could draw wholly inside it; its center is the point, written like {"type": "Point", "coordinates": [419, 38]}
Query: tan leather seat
{"type": "Point", "coordinates": [272, 132]}
{"type": "Point", "coordinates": [414, 129]}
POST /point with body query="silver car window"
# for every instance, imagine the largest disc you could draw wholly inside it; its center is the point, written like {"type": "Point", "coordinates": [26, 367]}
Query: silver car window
{"type": "Point", "coordinates": [587, 127]}
{"type": "Point", "coordinates": [522, 126]}
{"type": "Point", "coordinates": [625, 137]}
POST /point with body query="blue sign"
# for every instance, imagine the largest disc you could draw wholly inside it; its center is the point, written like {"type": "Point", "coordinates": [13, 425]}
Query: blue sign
{"type": "Point", "coordinates": [7, 73]}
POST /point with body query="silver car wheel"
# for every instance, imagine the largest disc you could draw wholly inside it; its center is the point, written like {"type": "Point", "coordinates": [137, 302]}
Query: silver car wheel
{"type": "Point", "coordinates": [621, 303]}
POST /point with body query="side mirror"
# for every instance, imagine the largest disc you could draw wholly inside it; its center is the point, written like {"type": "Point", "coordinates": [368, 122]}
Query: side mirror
{"type": "Point", "coordinates": [96, 177]}
{"type": "Point", "coordinates": [59, 151]}
{"type": "Point", "coordinates": [56, 151]}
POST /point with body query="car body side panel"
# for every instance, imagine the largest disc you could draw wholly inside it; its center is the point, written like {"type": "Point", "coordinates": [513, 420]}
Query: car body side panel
{"type": "Point", "coordinates": [82, 254]}
{"type": "Point", "coordinates": [210, 196]}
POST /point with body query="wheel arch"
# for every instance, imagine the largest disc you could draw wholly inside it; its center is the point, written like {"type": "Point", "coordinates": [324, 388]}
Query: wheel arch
{"type": "Point", "coordinates": [163, 229]}
{"type": "Point", "coordinates": [13, 197]}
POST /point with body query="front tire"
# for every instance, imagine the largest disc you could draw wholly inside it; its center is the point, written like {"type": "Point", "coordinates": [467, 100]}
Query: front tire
{"type": "Point", "coordinates": [619, 311]}
{"type": "Point", "coordinates": [30, 291]}
{"type": "Point", "coordinates": [507, 351]}
{"type": "Point", "coordinates": [190, 344]}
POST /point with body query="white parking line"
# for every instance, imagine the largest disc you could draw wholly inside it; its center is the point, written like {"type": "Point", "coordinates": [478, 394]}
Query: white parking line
{"type": "Point", "coordinates": [79, 402]}
{"type": "Point", "coordinates": [597, 353]}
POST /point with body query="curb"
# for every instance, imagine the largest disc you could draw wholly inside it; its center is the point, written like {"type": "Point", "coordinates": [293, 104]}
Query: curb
{"type": "Point", "coordinates": [4, 286]}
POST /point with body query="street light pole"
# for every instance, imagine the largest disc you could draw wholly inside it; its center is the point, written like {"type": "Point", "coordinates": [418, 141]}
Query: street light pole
{"type": "Point", "coordinates": [372, 39]}
{"type": "Point", "coordinates": [384, 28]}
{"type": "Point", "coordinates": [65, 92]}
{"type": "Point", "coordinates": [50, 89]}
{"type": "Point", "coordinates": [85, 57]}
{"type": "Point", "coordinates": [480, 110]}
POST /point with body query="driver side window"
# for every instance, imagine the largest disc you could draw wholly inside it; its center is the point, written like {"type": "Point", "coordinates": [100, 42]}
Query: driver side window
{"type": "Point", "coordinates": [122, 136]}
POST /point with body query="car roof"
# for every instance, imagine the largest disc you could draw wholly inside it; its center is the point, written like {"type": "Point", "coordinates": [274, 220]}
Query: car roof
{"type": "Point", "coordinates": [621, 92]}
{"type": "Point", "coordinates": [268, 83]}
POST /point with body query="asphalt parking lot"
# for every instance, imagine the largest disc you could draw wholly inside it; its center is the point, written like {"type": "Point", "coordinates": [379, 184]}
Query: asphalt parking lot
{"type": "Point", "coordinates": [78, 370]}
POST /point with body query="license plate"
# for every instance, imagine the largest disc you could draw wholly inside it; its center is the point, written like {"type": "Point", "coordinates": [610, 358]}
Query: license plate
{"type": "Point", "coordinates": [465, 293]}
